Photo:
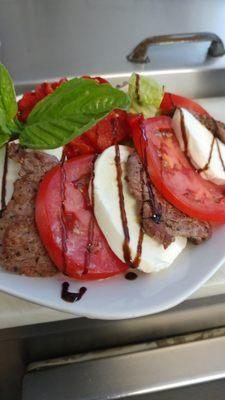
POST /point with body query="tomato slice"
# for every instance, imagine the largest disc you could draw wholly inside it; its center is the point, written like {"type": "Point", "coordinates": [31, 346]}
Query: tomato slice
{"type": "Point", "coordinates": [111, 130]}
{"type": "Point", "coordinates": [30, 99]}
{"type": "Point", "coordinates": [68, 229]}
{"type": "Point", "coordinates": [98, 79]}
{"type": "Point", "coordinates": [172, 101]}
{"type": "Point", "coordinates": [172, 173]}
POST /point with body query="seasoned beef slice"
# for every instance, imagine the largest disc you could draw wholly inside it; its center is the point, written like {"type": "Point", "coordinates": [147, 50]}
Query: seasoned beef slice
{"type": "Point", "coordinates": [216, 127]}
{"type": "Point", "coordinates": [21, 248]}
{"type": "Point", "coordinates": [172, 222]}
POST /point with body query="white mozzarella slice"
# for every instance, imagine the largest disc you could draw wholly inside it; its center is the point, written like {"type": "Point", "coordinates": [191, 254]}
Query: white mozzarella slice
{"type": "Point", "coordinates": [54, 152]}
{"type": "Point", "coordinates": [10, 176]}
{"type": "Point", "coordinates": [200, 144]}
{"type": "Point", "coordinates": [107, 212]}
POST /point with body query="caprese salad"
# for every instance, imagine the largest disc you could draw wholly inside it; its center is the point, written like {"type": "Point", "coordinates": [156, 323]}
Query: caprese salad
{"type": "Point", "coordinates": [97, 182]}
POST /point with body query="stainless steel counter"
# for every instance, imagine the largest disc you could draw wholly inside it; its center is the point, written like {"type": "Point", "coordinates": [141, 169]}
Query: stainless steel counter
{"type": "Point", "coordinates": [49, 38]}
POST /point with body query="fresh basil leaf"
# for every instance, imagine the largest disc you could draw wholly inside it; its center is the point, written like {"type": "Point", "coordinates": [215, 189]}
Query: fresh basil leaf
{"type": "Point", "coordinates": [4, 137]}
{"type": "Point", "coordinates": [8, 104]}
{"type": "Point", "coordinates": [4, 129]}
{"type": "Point", "coordinates": [15, 127]}
{"type": "Point", "coordinates": [73, 108]}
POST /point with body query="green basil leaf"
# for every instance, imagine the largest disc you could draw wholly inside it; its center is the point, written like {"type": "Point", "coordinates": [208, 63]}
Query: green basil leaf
{"type": "Point", "coordinates": [4, 129]}
{"type": "Point", "coordinates": [4, 136]}
{"type": "Point", "coordinates": [73, 108]}
{"type": "Point", "coordinates": [8, 104]}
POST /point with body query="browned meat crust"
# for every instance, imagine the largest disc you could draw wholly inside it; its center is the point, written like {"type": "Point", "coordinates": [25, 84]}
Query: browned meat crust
{"type": "Point", "coordinates": [173, 222]}
{"type": "Point", "coordinates": [21, 248]}
{"type": "Point", "coordinates": [22, 251]}
{"type": "Point", "coordinates": [216, 127]}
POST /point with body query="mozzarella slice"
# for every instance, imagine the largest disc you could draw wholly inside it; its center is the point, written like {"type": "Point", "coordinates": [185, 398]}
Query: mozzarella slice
{"type": "Point", "coordinates": [11, 176]}
{"type": "Point", "coordinates": [200, 144]}
{"type": "Point", "coordinates": [107, 212]}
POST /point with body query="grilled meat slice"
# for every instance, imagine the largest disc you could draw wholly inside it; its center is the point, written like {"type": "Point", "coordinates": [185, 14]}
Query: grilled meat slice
{"type": "Point", "coordinates": [216, 127]}
{"type": "Point", "coordinates": [21, 248]}
{"type": "Point", "coordinates": [172, 222]}
{"type": "Point", "coordinates": [33, 164]}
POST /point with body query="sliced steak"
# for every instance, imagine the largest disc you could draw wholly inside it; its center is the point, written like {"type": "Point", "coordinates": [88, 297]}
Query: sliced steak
{"type": "Point", "coordinates": [172, 222]}
{"type": "Point", "coordinates": [216, 127]}
{"type": "Point", "coordinates": [21, 248]}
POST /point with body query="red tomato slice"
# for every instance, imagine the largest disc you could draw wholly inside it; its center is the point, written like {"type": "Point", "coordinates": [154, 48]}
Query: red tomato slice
{"type": "Point", "coordinates": [70, 232]}
{"type": "Point", "coordinates": [30, 99]}
{"type": "Point", "coordinates": [111, 130]}
{"type": "Point", "coordinates": [171, 172]}
{"type": "Point", "coordinates": [98, 79]}
{"type": "Point", "coordinates": [172, 101]}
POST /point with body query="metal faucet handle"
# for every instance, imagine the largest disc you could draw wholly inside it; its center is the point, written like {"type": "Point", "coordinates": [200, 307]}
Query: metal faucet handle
{"type": "Point", "coordinates": [139, 53]}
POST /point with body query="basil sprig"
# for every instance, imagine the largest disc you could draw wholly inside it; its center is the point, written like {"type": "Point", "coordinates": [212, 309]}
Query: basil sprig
{"type": "Point", "coordinates": [8, 106]}
{"type": "Point", "coordinates": [70, 110]}
{"type": "Point", "coordinates": [73, 108]}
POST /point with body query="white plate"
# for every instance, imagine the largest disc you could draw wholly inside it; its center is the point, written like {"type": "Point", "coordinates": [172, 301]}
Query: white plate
{"type": "Point", "coordinates": [117, 298]}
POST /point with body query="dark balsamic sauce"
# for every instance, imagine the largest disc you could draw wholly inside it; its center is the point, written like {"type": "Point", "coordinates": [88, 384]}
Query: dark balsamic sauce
{"type": "Point", "coordinates": [220, 155]}
{"type": "Point", "coordinates": [62, 215]}
{"type": "Point", "coordinates": [214, 141]}
{"type": "Point", "coordinates": [137, 89]}
{"type": "Point", "coordinates": [71, 297]}
{"type": "Point", "coordinates": [137, 259]}
{"type": "Point", "coordinates": [216, 135]}
{"type": "Point", "coordinates": [126, 247]}
{"type": "Point", "coordinates": [4, 178]}
{"type": "Point", "coordinates": [184, 134]}
{"type": "Point", "coordinates": [206, 166]}
{"type": "Point", "coordinates": [114, 125]}
{"type": "Point", "coordinates": [90, 240]}
{"type": "Point", "coordinates": [131, 276]}
{"type": "Point", "coordinates": [156, 213]}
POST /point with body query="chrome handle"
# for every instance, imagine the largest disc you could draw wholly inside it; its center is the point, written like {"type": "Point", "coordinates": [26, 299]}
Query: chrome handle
{"type": "Point", "coordinates": [216, 48]}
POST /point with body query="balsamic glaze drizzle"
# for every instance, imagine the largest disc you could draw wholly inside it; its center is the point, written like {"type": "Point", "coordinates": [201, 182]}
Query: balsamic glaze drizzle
{"type": "Point", "coordinates": [126, 247]}
{"type": "Point", "coordinates": [64, 235]}
{"type": "Point", "coordinates": [137, 259]}
{"type": "Point", "coordinates": [90, 238]}
{"type": "Point", "coordinates": [137, 89]}
{"type": "Point", "coordinates": [4, 177]}
{"type": "Point", "coordinates": [217, 143]}
{"type": "Point", "coordinates": [220, 155]}
{"type": "Point", "coordinates": [156, 213]}
{"type": "Point", "coordinates": [184, 134]}
{"type": "Point", "coordinates": [215, 140]}
{"type": "Point", "coordinates": [131, 276]}
{"type": "Point", "coordinates": [71, 297]}
{"type": "Point", "coordinates": [206, 166]}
